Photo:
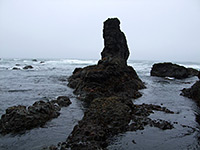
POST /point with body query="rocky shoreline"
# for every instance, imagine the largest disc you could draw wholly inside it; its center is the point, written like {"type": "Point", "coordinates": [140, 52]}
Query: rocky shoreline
{"type": "Point", "coordinates": [109, 89]}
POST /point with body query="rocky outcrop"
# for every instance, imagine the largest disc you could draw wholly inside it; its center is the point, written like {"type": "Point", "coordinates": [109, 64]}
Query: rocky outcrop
{"type": "Point", "coordinates": [20, 118]}
{"type": "Point", "coordinates": [104, 81]}
{"type": "Point", "coordinates": [107, 117]}
{"type": "Point", "coordinates": [193, 92]}
{"type": "Point", "coordinates": [172, 70]}
{"type": "Point", "coordinates": [108, 88]}
{"type": "Point", "coordinates": [111, 76]}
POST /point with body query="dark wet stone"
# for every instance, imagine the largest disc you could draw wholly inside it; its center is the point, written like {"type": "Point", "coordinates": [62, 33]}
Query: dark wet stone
{"type": "Point", "coordinates": [193, 92]}
{"type": "Point", "coordinates": [20, 118]}
{"type": "Point", "coordinates": [172, 70]}
{"type": "Point", "coordinates": [35, 60]}
{"type": "Point", "coordinates": [199, 75]}
{"type": "Point", "coordinates": [28, 67]}
{"type": "Point", "coordinates": [62, 101]}
{"type": "Point", "coordinates": [99, 80]}
{"type": "Point", "coordinates": [15, 68]}
{"type": "Point", "coordinates": [109, 116]}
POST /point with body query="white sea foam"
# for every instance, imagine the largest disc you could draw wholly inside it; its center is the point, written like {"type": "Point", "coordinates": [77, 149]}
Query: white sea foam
{"type": "Point", "coordinates": [72, 62]}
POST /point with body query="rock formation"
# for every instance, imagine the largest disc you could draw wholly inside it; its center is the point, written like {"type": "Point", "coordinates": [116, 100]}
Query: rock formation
{"type": "Point", "coordinates": [172, 70]}
{"type": "Point", "coordinates": [111, 76]}
{"type": "Point", "coordinates": [193, 92]}
{"type": "Point", "coordinates": [107, 117]}
{"type": "Point", "coordinates": [108, 88]}
{"type": "Point", "coordinates": [116, 49]}
{"type": "Point", "coordinates": [20, 118]}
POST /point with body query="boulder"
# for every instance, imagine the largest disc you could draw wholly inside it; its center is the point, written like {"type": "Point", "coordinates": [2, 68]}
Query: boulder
{"type": "Point", "coordinates": [172, 70]}
{"type": "Point", "coordinates": [20, 118]}
{"type": "Point", "coordinates": [193, 92]}
{"type": "Point", "coordinates": [15, 68]}
{"type": "Point", "coordinates": [28, 67]}
{"type": "Point", "coordinates": [35, 60]}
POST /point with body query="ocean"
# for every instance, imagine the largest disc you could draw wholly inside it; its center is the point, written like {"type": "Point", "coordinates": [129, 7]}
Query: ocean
{"type": "Point", "coordinates": [48, 80]}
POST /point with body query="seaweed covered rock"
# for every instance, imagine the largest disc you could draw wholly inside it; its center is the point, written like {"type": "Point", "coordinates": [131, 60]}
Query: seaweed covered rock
{"type": "Point", "coordinates": [172, 70]}
{"type": "Point", "coordinates": [104, 81]}
{"type": "Point", "coordinates": [20, 118]}
{"type": "Point", "coordinates": [111, 76]}
{"type": "Point", "coordinates": [107, 117]}
{"type": "Point", "coordinates": [193, 92]}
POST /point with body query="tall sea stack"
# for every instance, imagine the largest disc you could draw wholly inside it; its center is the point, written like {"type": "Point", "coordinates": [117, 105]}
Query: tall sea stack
{"type": "Point", "coordinates": [116, 49]}
{"type": "Point", "coordinates": [108, 88]}
{"type": "Point", "coordinates": [111, 76]}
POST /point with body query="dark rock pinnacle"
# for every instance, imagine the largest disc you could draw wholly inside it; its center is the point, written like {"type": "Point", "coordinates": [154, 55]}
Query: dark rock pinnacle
{"type": "Point", "coordinates": [116, 49]}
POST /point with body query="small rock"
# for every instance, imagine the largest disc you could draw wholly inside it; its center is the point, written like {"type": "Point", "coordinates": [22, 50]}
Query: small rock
{"type": "Point", "coordinates": [15, 68]}
{"type": "Point", "coordinates": [63, 101]}
{"type": "Point", "coordinates": [35, 60]}
{"type": "Point", "coordinates": [133, 141]}
{"type": "Point", "coordinates": [28, 67]}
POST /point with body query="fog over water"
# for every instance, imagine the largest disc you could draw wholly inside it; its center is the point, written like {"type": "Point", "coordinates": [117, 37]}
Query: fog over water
{"type": "Point", "coordinates": [155, 29]}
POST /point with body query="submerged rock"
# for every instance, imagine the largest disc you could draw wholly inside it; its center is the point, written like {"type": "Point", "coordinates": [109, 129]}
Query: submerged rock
{"type": "Point", "coordinates": [172, 70]}
{"type": "Point", "coordinates": [193, 92]}
{"type": "Point", "coordinates": [20, 118]}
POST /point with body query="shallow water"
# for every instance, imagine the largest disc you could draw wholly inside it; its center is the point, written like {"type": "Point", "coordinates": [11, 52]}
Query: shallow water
{"type": "Point", "coordinates": [48, 80]}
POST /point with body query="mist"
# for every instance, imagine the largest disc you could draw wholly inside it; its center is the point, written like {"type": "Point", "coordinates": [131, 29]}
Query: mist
{"type": "Point", "coordinates": [155, 29]}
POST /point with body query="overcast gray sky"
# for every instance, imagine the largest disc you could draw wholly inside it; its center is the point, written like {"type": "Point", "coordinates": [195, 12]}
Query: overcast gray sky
{"type": "Point", "coordinates": [167, 30]}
